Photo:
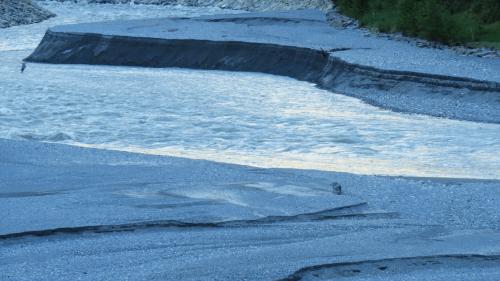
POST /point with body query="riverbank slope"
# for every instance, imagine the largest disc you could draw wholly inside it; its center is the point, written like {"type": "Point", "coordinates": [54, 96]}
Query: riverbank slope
{"type": "Point", "coordinates": [298, 44]}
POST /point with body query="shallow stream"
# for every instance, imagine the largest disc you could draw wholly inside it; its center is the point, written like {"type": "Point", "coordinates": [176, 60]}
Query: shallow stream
{"type": "Point", "coordinates": [245, 118]}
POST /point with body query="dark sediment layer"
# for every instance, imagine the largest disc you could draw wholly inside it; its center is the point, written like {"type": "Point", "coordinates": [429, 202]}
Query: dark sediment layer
{"type": "Point", "coordinates": [394, 267]}
{"type": "Point", "coordinates": [351, 212]}
{"type": "Point", "coordinates": [435, 95]}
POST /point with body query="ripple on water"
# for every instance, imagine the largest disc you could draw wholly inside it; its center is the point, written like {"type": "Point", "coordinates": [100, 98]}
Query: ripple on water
{"type": "Point", "coordinates": [58, 137]}
{"type": "Point", "coordinates": [243, 118]}
{"type": "Point", "coordinates": [269, 121]}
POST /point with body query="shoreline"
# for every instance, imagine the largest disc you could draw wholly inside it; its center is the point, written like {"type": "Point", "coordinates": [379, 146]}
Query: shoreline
{"type": "Point", "coordinates": [58, 198]}
{"type": "Point", "coordinates": [335, 18]}
{"type": "Point", "coordinates": [401, 91]}
{"type": "Point", "coordinates": [75, 212]}
{"type": "Point", "coordinates": [43, 158]}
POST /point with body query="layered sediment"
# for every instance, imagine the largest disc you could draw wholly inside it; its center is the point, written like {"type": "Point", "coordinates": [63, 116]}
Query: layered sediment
{"type": "Point", "coordinates": [223, 43]}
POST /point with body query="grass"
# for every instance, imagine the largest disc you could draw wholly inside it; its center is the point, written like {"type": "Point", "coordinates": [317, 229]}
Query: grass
{"type": "Point", "coordinates": [384, 21]}
{"type": "Point", "coordinates": [491, 35]}
{"type": "Point", "coordinates": [430, 19]}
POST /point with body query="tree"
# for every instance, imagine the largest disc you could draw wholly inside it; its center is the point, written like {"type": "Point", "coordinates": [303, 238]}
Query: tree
{"type": "Point", "coordinates": [407, 20]}
{"type": "Point", "coordinates": [434, 21]}
{"type": "Point", "coordinates": [360, 7]}
{"type": "Point", "coordinates": [488, 11]}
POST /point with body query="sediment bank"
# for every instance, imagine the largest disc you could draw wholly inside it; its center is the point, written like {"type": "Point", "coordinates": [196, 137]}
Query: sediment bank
{"type": "Point", "coordinates": [404, 91]}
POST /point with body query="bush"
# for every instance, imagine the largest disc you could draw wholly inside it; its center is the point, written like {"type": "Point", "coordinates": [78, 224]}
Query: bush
{"type": "Point", "coordinates": [465, 28]}
{"type": "Point", "coordinates": [446, 21]}
{"type": "Point", "coordinates": [354, 8]}
{"type": "Point", "coordinates": [488, 11]}
{"type": "Point", "coordinates": [433, 22]}
{"type": "Point", "coordinates": [407, 17]}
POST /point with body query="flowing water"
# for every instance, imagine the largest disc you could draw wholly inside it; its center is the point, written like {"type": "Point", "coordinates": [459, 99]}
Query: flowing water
{"type": "Point", "coordinates": [245, 118]}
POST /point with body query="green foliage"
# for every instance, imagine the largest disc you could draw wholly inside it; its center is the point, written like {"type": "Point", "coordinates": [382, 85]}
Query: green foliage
{"type": "Point", "coordinates": [491, 32]}
{"type": "Point", "coordinates": [407, 21]}
{"type": "Point", "coordinates": [488, 11]}
{"type": "Point", "coordinates": [433, 21]}
{"type": "Point", "coordinates": [355, 8]}
{"type": "Point", "coordinates": [465, 28]}
{"type": "Point", "coordinates": [446, 21]}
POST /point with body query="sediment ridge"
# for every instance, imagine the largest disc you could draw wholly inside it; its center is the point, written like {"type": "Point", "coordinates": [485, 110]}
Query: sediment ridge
{"type": "Point", "coordinates": [402, 91]}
